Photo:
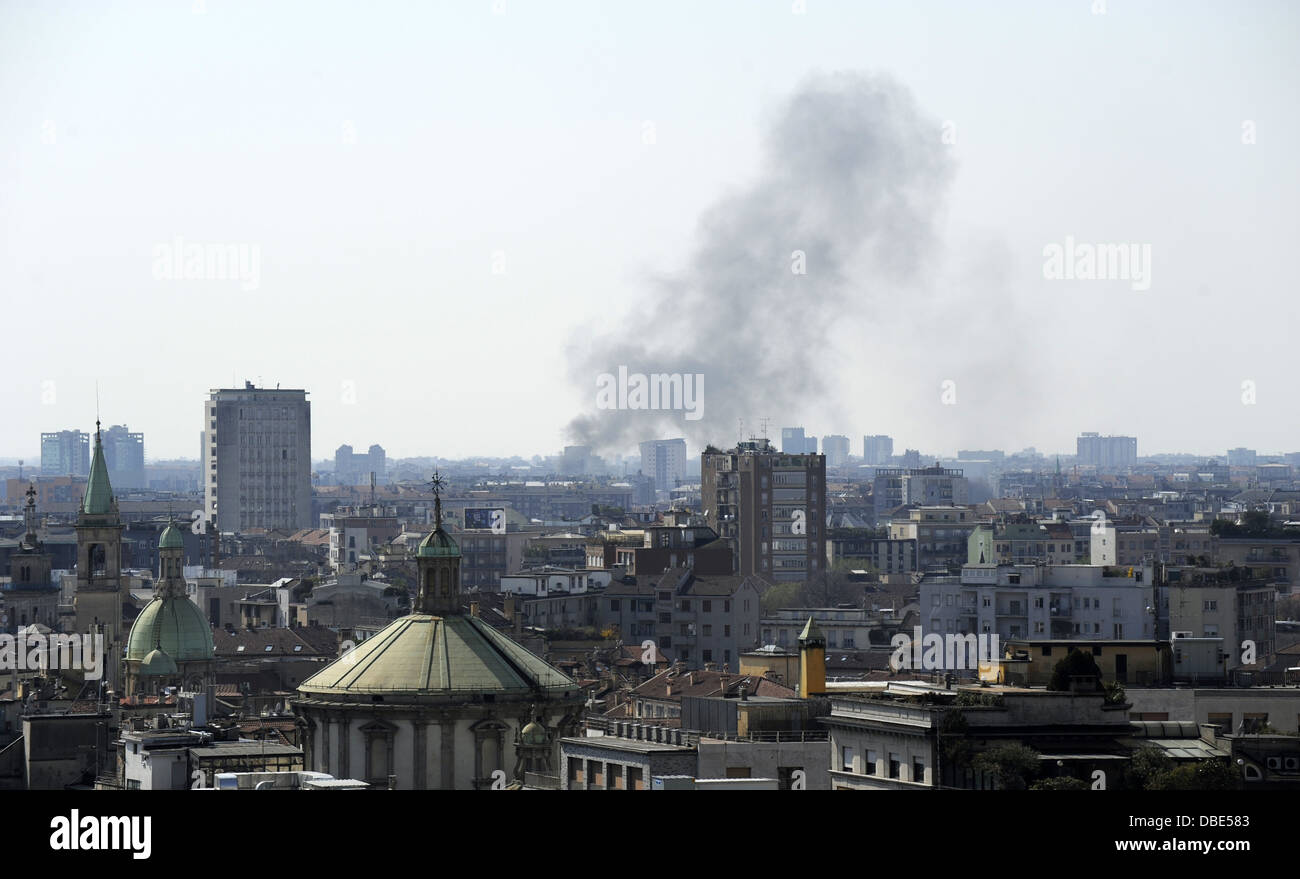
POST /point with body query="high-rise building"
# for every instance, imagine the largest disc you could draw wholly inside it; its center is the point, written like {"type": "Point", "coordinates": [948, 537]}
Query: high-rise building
{"type": "Point", "coordinates": [257, 458]}
{"type": "Point", "coordinates": [793, 441]}
{"type": "Point", "coordinates": [353, 469]}
{"type": "Point", "coordinates": [770, 505]}
{"type": "Point", "coordinates": [1241, 457]}
{"type": "Point", "coordinates": [877, 450]}
{"type": "Point", "coordinates": [664, 461]}
{"type": "Point", "coordinates": [1107, 452]}
{"type": "Point", "coordinates": [65, 453]}
{"type": "Point", "coordinates": [836, 450]}
{"type": "Point", "coordinates": [124, 452]}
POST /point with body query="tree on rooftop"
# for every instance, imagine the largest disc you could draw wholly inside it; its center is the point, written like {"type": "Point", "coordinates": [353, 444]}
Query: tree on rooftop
{"type": "Point", "coordinates": [1075, 664]}
{"type": "Point", "coordinates": [1012, 765]}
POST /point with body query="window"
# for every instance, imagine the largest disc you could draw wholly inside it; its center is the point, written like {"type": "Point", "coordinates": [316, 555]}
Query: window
{"type": "Point", "coordinates": [846, 758]}
{"type": "Point", "coordinates": [613, 604]}
{"type": "Point", "coordinates": [708, 607]}
{"type": "Point", "coordinates": [918, 770]}
{"type": "Point", "coordinates": [869, 766]}
{"type": "Point", "coordinates": [895, 765]}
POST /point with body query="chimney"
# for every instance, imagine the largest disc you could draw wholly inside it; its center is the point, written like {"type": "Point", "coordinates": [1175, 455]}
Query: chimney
{"type": "Point", "coordinates": [473, 608]}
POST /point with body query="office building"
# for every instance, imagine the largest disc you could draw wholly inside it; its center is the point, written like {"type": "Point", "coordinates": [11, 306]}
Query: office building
{"type": "Point", "coordinates": [877, 450]}
{"type": "Point", "coordinates": [351, 468]}
{"type": "Point", "coordinates": [65, 453]}
{"type": "Point", "coordinates": [257, 458]}
{"type": "Point", "coordinates": [124, 453]}
{"type": "Point", "coordinates": [770, 505]}
{"type": "Point", "coordinates": [1107, 452]}
{"type": "Point", "coordinates": [664, 461]}
{"type": "Point", "coordinates": [836, 450]}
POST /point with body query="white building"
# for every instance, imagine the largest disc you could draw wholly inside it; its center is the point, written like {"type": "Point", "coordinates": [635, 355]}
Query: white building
{"type": "Point", "coordinates": [1043, 601]}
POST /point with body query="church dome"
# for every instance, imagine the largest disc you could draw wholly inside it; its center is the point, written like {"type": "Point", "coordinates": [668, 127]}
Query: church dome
{"type": "Point", "coordinates": [422, 655]}
{"type": "Point", "coordinates": [158, 663]}
{"type": "Point", "coordinates": [171, 538]}
{"type": "Point", "coordinates": [176, 626]}
{"type": "Point", "coordinates": [533, 734]}
{"type": "Point", "coordinates": [438, 545]}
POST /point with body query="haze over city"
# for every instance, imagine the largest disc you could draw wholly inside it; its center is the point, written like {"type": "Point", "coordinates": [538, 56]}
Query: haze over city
{"type": "Point", "coordinates": [473, 211]}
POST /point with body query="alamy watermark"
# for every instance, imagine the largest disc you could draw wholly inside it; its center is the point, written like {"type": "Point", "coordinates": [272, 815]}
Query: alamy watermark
{"type": "Point", "coordinates": [1075, 261]}
{"type": "Point", "coordinates": [36, 652]}
{"type": "Point", "coordinates": [179, 261]}
{"type": "Point", "coordinates": [660, 390]}
{"type": "Point", "coordinates": [935, 652]}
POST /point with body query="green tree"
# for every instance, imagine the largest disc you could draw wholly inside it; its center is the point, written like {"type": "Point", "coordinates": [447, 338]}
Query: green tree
{"type": "Point", "coordinates": [1075, 664]}
{"type": "Point", "coordinates": [780, 595]}
{"type": "Point", "coordinates": [1147, 764]}
{"type": "Point", "coordinates": [1064, 782]}
{"type": "Point", "coordinates": [1012, 765]}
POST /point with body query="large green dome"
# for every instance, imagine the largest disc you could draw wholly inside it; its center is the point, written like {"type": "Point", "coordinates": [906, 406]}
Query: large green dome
{"type": "Point", "coordinates": [438, 545]}
{"type": "Point", "coordinates": [176, 625]}
{"type": "Point", "coordinates": [171, 538]}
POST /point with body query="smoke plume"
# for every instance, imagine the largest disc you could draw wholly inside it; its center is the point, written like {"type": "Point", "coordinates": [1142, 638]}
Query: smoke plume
{"type": "Point", "coordinates": [852, 182]}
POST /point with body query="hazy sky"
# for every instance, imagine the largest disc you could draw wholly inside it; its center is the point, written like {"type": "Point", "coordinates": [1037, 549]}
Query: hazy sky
{"type": "Point", "coordinates": [458, 211]}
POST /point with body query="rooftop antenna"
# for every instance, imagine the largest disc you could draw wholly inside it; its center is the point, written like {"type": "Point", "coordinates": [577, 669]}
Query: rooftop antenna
{"type": "Point", "coordinates": [762, 422]}
{"type": "Point", "coordinates": [740, 436]}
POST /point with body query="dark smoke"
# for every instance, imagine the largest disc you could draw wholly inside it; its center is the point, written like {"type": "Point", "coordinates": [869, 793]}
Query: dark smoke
{"type": "Point", "coordinates": [854, 176]}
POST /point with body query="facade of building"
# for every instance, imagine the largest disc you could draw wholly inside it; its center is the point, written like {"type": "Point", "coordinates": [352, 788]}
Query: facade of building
{"type": "Point", "coordinates": [1038, 602]}
{"type": "Point", "coordinates": [664, 461]}
{"type": "Point", "coordinates": [65, 453]}
{"type": "Point", "coordinates": [836, 450]}
{"type": "Point", "coordinates": [771, 507]}
{"type": "Point", "coordinates": [257, 459]}
{"type": "Point", "coordinates": [30, 595]}
{"type": "Point", "coordinates": [124, 452]}
{"type": "Point", "coordinates": [689, 618]}
{"type": "Point", "coordinates": [1107, 452]}
{"type": "Point", "coordinates": [942, 533]}
{"type": "Point", "coordinates": [877, 450]}
{"type": "Point", "coordinates": [351, 468]}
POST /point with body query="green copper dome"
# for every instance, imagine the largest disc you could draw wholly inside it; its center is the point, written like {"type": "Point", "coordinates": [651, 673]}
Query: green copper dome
{"type": "Point", "coordinates": [533, 734]}
{"type": "Point", "coordinates": [174, 624]}
{"type": "Point", "coordinates": [171, 538]}
{"type": "Point", "coordinates": [158, 663]}
{"type": "Point", "coordinates": [428, 656]}
{"type": "Point", "coordinates": [438, 545]}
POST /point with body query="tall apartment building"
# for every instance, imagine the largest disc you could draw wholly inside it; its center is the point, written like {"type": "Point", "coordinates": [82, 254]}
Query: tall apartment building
{"type": "Point", "coordinates": [353, 469]}
{"type": "Point", "coordinates": [664, 461]}
{"type": "Point", "coordinates": [124, 452]}
{"type": "Point", "coordinates": [836, 449]}
{"type": "Point", "coordinates": [770, 505]}
{"type": "Point", "coordinates": [793, 442]}
{"type": "Point", "coordinates": [1241, 457]}
{"type": "Point", "coordinates": [65, 453]}
{"type": "Point", "coordinates": [257, 458]}
{"type": "Point", "coordinates": [1107, 452]}
{"type": "Point", "coordinates": [877, 449]}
